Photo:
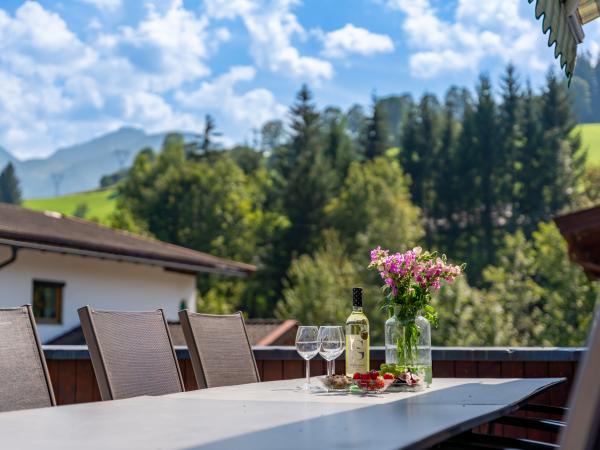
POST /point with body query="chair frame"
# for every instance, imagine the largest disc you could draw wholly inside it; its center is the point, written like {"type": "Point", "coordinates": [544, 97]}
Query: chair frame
{"type": "Point", "coordinates": [582, 428]}
{"type": "Point", "coordinates": [194, 351]}
{"type": "Point", "coordinates": [583, 419]}
{"type": "Point", "coordinates": [40, 351]}
{"type": "Point", "coordinates": [95, 350]}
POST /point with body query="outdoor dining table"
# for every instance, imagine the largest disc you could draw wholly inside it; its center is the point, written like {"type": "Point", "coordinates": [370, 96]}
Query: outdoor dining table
{"type": "Point", "coordinates": [272, 415]}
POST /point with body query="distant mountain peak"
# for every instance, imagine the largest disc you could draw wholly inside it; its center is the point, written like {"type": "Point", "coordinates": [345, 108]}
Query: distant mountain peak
{"type": "Point", "coordinates": [6, 157]}
{"type": "Point", "coordinates": [79, 167]}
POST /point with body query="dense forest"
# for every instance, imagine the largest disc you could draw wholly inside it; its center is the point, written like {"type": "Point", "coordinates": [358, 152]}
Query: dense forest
{"type": "Point", "coordinates": [477, 175]}
{"type": "Point", "coordinates": [585, 89]}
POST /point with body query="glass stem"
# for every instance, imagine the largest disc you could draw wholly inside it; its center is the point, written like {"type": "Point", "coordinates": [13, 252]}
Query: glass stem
{"type": "Point", "coordinates": [330, 368]}
{"type": "Point", "coordinates": [308, 371]}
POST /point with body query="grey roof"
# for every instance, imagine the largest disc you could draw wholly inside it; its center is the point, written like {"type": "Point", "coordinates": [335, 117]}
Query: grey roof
{"type": "Point", "coordinates": [54, 232]}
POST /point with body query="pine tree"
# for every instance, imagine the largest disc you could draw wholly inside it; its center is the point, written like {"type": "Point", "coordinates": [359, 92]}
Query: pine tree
{"type": "Point", "coordinates": [339, 149]}
{"type": "Point", "coordinates": [419, 148]}
{"type": "Point", "coordinates": [10, 192]}
{"type": "Point", "coordinates": [430, 125]}
{"type": "Point", "coordinates": [375, 137]}
{"type": "Point", "coordinates": [418, 157]}
{"type": "Point", "coordinates": [308, 177]}
{"type": "Point", "coordinates": [563, 162]}
{"type": "Point", "coordinates": [529, 179]}
{"type": "Point", "coordinates": [208, 134]}
{"type": "Point", "coordinates": [467, 243]}
{"type": "Point", "coordinates": [585, 90]}
{"type": "Point", "coordinates": [487, 160]}
{"type": "Point", "coordinates": [409, 145]}
{"type": "Point", "coordinates": [205, 147]}
{"type": "Point", "coordinates": [446, 179]}
{"type": "Point", "coordinates": [511, 140]}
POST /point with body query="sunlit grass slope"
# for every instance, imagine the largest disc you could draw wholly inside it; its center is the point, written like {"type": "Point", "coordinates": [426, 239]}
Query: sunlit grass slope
{"type": "Point", "coordinates": [100, 203]}
{"type": "Point", "coordinates": [590, 137]}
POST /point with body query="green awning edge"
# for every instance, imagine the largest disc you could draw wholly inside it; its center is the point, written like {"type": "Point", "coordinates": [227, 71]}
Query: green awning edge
{"type": "Point", "coordinates": [566, 55]}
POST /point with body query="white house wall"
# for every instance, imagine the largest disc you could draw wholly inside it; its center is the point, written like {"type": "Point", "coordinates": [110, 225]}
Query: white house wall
{"type": "Point", "coordinates": [102, 284]}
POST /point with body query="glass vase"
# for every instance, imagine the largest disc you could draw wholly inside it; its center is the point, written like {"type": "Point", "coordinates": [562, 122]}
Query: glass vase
{"type": "Point", "coordinates": [408, 352]}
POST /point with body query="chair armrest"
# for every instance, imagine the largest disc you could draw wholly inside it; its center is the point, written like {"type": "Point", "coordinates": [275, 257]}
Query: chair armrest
{"type": "Point", "coordinates": [485, 441]}
{"type": "Point", "coordinates": [545, 409]}
{"type": "Point", "coordinates": [554, 426]}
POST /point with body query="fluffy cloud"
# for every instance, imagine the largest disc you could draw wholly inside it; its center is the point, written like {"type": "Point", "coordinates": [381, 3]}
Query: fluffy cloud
{"type": "Point", "coordinates": [165, 49]}
{"type": "Point", "coordinates": [152, 113]}
{"type": "Point", "coordinates": [104, 5]}
{"type": "Point", "coordinates": [271, 27]}
{"type": "Point", "coordinates": [493, 29]}
{"type": "Point", "coordinates": [351, 39]}
{"type": "Point", "coordinates": [58, 89]}
{"type": "Point", "coordinates": [229, 9]}
{"type": "Point", "coordinates": [249, 109]}
{"type": "Point", "coordinates": [38, 42]}
{"type": "Point", "coordinates": [591, 43]}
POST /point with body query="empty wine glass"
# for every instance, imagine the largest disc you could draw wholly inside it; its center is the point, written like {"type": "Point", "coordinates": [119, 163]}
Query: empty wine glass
{"type": "Point", "coordinates": [331, 345]}
{"type": "Point", "coordinates": [307, 346]}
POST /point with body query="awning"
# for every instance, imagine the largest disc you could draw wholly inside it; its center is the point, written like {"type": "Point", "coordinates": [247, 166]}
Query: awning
{"type": "Point", "coordinates": [564, 19]}
{"type": "Point", "coordinates": [588, 10]}
{"type": "Point", "coordinates": [581, 230]}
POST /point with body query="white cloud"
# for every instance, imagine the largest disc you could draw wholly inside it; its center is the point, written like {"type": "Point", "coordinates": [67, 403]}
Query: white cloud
{"type": "Point", "coordinates": [104, 5]}
{"type": "Point", "coordinates": [57, 89]}
{"type": "Point", "coordinates": [352, 39]}
{"type": "Point", "coordinates": [272, 27]}
{"type": "Point", "coordinates": [247, 110]}
{"type": "Point", "coordinates": [166, 49]}
{"type": "Point", "coordinates": [591, 43]}
{"type": "Point", "coordinates": [152, 113]}
{"type": "Point", "coordinates": [480, 31]}
{"type": "Point", "coordinates": [38, 42]}
{"type": "Point", "coordinates": [229, 9]}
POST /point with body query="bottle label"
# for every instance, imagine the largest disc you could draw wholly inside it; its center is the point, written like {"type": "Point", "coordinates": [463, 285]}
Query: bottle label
{"type": "Point", "coordinates": [357, 357]}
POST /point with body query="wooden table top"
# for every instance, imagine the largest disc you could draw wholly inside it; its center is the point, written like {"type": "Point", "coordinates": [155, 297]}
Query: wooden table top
{"type": "Point", "coordinates": [272, 415]}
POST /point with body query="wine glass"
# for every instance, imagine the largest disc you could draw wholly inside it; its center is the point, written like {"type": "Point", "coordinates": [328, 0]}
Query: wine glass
{"type": "Point", "coordinates": [307, 346]}
{"type": "Point", "coordinates": [331, 345]}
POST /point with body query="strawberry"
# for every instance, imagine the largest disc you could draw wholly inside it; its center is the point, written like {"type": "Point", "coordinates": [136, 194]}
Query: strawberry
{"type": "Point", "coordinates": [379, 383]}
{"type": "Point", "coordinates": [365, 376]}
{"type": "Point", "coordinates": [356, 376]}
{"type": "Point", "coordinates": [374, 374]}
{"type": "Point", "coordinates": [388, 376]}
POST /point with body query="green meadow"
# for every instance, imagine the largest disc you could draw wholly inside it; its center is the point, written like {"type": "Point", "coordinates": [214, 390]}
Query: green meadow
{"type": "Point", "coordinates": [100, 203]}
{"type": "Point", "coordinates": [590, 137]}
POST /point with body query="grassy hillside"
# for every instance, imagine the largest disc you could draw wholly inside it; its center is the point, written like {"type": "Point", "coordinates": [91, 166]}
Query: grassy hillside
{"type": "Point", "coordinates": [590, 136]}
{"type": "Point", "coordinates": [100, 203]}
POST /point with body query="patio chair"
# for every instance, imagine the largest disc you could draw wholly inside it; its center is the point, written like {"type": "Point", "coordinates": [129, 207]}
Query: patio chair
{"type": "Point", "coordinates": [219, 349]}
{"type": "Point", "coordinates": [582, 430]}
{"type": "Point", "coordinates": [132, 353]}
{"type": "Point", "coordinates": [24, 378]}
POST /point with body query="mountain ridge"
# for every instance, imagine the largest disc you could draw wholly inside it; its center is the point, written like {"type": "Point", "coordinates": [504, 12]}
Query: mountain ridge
{"type": "Point", "coordinates": [79, 167]}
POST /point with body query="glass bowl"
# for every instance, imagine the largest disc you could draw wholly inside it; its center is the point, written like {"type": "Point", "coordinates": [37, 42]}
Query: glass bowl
{"type": "Point", "coordinates": [336, 383]}
{"type": "Point", "coordinates": [370, 386]}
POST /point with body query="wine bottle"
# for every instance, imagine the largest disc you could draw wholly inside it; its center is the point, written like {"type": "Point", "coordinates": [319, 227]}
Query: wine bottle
{"type": "Point", "coordinates": [357, 336]}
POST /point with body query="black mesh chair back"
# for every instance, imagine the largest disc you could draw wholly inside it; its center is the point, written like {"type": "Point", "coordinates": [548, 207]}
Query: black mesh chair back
{"type": "Point", "coordinates": [24, 379]}
{"type": "Point", "coordinates": [583, 420]}
{"type": "Point", "coordinates": [132, 353]}
{"type": "Point", "coordinates": [219, 348]}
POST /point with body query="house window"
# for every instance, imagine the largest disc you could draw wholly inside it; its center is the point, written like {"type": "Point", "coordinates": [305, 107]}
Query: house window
{"type": "Point", "coordinates": [47, 301]}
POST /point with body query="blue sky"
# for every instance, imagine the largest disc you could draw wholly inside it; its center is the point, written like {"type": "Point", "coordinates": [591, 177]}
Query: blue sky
{"type": "Point", "coordinates": [73, 69]}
